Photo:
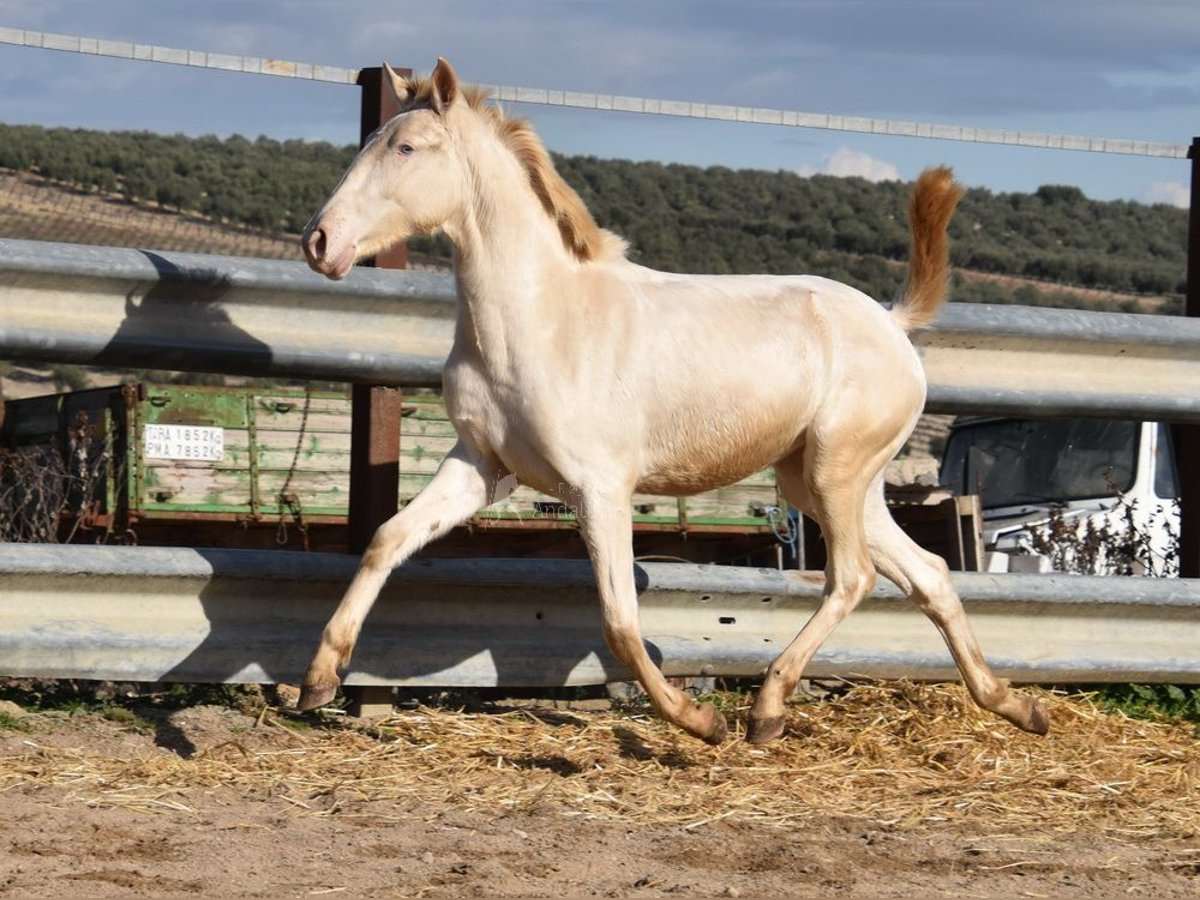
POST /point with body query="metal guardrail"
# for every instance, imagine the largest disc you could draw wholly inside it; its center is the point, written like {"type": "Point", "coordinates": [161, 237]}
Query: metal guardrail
{"type": "Point", "coordinates": [1022, 361]}
{"type": "Point", "coordinates": [195, 312]}
{"type": "Point", "coordinates": [156, 614]}
{"type": "Point", "coordinates": [110, 306]}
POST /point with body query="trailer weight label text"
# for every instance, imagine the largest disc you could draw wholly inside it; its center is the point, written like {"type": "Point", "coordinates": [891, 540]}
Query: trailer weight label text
{"type": "Point", "coordinates": [184, 442]}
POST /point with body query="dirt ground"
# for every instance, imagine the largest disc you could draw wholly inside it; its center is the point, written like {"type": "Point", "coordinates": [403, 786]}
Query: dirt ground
{"type": "Point", "coordinates": [110, 804]}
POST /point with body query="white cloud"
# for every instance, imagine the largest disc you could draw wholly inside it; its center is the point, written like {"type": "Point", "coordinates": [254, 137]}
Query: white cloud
{"type": "Point", "coordinates": [1174, 193]}
{"type": "Point", "coordinates": [844, 162]}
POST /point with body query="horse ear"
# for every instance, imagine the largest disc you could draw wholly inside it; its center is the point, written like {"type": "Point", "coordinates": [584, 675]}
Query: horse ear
{"type": "Point", "coordinates": [445, 85]}
{"type": "Point", "coordinates": [398, 85]}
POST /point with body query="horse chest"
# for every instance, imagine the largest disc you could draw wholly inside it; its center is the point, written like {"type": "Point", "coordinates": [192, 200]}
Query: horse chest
{"type": "Point", "coordinates": [502, 427]}
{"type": "Point", "coordinates": [473, 412]}
{"type": "Point", "coordinates": [481, 415]}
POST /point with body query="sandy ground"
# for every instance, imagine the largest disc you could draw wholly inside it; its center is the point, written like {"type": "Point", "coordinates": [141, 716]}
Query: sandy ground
{"type": "Point", "coordinates": [69, 829]}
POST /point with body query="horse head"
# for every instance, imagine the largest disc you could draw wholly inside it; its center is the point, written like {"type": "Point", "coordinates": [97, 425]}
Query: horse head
{"type": "Point", "coordinates": [409, 177]}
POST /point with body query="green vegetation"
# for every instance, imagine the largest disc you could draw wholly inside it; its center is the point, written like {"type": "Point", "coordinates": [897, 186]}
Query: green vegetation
{"type": "Point", "coordinates": [127, 718]}
{"type": "Point", "coordinates": [128, 704]}
{"type": "Point", "coordinates": [10, 722]}
{"type": "Point", "coordinates": [265, 184]}
{"type": "Point", "coordinates": [721, 220]}
{"type": "Point", "coordinates": [676, 217]}
{"type": "Point", "coordinates": [1156, 702]}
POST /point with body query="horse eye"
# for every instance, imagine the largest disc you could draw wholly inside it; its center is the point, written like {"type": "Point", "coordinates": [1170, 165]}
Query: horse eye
{"type": "Point", "coordinates": [405, 149]}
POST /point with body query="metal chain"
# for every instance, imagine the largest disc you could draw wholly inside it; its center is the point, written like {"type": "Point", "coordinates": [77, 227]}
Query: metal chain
{"type": "Point", "coordinates": [289, 500]}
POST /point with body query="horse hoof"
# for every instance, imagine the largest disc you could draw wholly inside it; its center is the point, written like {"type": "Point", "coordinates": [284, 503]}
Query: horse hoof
{"type": "Point", "coordinates": [1039, 721]}
{"type": "Point", "coordinates": [763, 731]}
{"type": "Point", "coordinates": [314, 695]}
{"type": "Point", "coordinates": [703, 721]}
{"type": "Point", "coordinates": [1027, 714]}
{"type": "Point", "coordinates": [717, 731]}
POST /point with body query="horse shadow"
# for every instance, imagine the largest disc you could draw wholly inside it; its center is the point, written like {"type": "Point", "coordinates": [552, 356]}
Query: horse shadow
{"type": "Point", "coordinates": [183, 302]}
{"type": "Point", "coordinates": [445, 623]}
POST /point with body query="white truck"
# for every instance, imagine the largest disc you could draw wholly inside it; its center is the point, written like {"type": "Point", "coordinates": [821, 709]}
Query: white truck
{"type": "Point", "coordinates": [1080, 495]}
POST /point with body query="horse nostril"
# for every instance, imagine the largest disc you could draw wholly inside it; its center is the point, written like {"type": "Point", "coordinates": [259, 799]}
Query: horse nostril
{"type": "Point", "coordinates": [315, 244]}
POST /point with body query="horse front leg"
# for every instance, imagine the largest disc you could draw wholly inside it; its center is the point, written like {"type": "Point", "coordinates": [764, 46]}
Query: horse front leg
{"type": "Point", "coordinates": [607, 527]}
{"type": "Point", "coordinates": [465, 482]}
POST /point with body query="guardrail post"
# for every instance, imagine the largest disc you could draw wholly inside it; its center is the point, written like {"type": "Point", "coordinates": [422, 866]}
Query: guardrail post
{"type": "Point", "coordinates": [374, 413]}
{"type": "Point", "coordinates": [1187, 437]}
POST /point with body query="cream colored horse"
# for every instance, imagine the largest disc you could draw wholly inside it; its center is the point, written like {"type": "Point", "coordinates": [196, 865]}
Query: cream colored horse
{"type": "Point", "coordinates": [590, 378]}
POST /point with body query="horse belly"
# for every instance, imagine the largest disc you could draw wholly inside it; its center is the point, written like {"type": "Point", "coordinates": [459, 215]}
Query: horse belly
{"type": "Point", "coordinates": [713, 455]}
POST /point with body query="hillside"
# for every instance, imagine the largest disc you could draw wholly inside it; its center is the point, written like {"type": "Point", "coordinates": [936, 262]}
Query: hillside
{"type": "Point", "coordinates": [33, 208]}
{"type": "Point", "coordinates": [1052, 247]}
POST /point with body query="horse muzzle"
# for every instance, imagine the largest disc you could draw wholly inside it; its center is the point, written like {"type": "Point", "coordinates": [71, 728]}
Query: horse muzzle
{"type": "Point", "coordinates": [325, 254]}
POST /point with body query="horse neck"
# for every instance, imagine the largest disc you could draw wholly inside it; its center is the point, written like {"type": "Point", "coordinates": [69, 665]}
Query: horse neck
{"type": "Point", "coordinates": [507, 250]}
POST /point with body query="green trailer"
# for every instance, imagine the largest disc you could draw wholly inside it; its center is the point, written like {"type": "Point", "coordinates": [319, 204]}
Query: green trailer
{"type": "Point", "coordinates": [183, 465]}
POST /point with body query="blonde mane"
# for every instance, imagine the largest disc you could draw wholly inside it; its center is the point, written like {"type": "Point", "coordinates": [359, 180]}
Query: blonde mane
{"type": "Point", "coordinates": [580, 233]}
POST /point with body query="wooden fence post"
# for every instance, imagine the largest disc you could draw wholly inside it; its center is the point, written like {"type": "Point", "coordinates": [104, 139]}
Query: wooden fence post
{"type": "Point", "coordinates": [375, 414]}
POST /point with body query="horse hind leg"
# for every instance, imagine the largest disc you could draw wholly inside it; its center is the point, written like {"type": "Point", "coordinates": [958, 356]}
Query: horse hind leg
{"type": "Point", "coordinates": [834, 494]}
{"type": "Point", "coordinates": [925, 579]}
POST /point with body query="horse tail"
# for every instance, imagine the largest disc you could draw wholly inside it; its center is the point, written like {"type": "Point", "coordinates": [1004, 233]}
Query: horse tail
{"type": "Point", "coordinates": [934, 197]}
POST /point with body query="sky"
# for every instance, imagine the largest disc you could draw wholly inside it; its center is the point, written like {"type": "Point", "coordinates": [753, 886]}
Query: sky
{"type": "Point", "coordinates": [1097, 68]}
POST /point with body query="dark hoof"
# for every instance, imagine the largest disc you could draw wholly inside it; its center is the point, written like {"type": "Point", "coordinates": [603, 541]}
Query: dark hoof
{"type": "Point", "coordinates": [314, 695]}
{"type": "Point", "coordinates": [1039, 722]}
{"type": "Point", "coordinates": [706, 723]}
{"type": "Point", "coordinates": [1029, 716]}
{"type": "Point", "coordinates": [763, 731]}
{"type": "Point", "coordinates": [718, 732]}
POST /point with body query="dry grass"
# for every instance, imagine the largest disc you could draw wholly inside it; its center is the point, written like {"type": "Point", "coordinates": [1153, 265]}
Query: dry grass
{"type": "Point", "coordinates": [906, 755]}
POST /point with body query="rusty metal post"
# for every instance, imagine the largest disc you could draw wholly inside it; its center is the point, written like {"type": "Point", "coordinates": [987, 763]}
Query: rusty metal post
{"type": "Point", "coordinates": [375, 414]}
{"type": "Point", "coordinates": [1187, 437]}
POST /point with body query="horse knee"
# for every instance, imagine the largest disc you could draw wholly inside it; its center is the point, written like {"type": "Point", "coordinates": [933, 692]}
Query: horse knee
{"type": "Point", "coordinates": [382, 549]}
{"type": "Point", "coordinates": [866, 581]}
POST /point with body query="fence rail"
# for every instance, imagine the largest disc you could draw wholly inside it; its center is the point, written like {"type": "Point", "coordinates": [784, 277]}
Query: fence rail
{"type": "Point", "coordinates": [255, 65]}
{"type": "Point", "coordinates": [156, 614]}
{"type": "Point", "coordinates": [193, 312]}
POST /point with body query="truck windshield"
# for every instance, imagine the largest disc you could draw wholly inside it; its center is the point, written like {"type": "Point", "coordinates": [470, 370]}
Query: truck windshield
{"type": "Point", "coordinates": [1009, 462]}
